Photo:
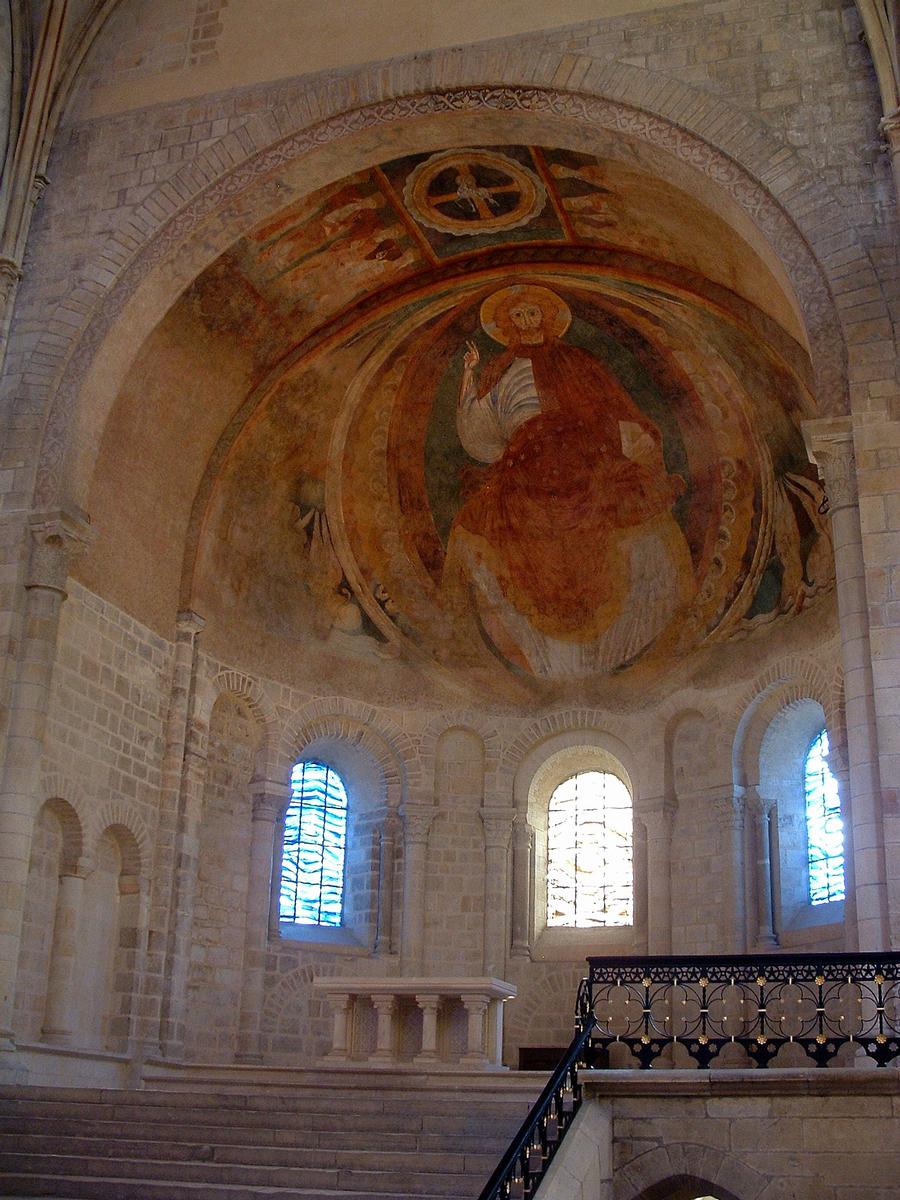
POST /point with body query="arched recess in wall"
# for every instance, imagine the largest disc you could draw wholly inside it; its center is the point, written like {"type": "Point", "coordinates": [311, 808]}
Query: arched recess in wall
{"type": "Point", "coordinates": [236, 739]}
{"type": "Point", "coordinates": [687, 1171]}
{"type": "Point", "coordinates": [373, 772]}
{"type": "Point", "coordinates": [540, 772]}
{"type": "Point", "coordinates": [49, 948]}
{"type": "Point", "coordinates": [780, 716]}
{"type": "Point", "coordinates": [434, 122]}
{"type": "Point", "coordinates": [615, 99]}
{"type": "Point", "coordinates": [110, 943]}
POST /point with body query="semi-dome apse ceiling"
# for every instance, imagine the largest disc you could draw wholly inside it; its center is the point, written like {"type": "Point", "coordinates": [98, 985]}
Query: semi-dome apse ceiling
{"type": "Point", "coordinates": [523, 418]}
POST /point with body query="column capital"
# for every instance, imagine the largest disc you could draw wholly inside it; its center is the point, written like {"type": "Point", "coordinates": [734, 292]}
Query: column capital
{"type": "Point", "coordinates": [756, 803]}
{"type": "Point", "coordinates": [417, 820]}
{"type": "Point", "coordinates": [57, 537]}
{"type": "Point", "coordinates": [829, 444]}
{"type": "Point", "coordinates": [498, 824]}
{"type": "Point", "coordinates": [657, 815]}
{"type": "Point", "coordinates": [890, 127]}
{"type": "Point", "coordinates": [728, 810]}
{"type": "Point", "coordinates": [189, 622]}
{"type": "Point", "coordinates": [269, 798]}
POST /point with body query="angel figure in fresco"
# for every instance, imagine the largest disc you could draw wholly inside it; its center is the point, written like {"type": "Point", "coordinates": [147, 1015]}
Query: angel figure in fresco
{"type": "Point", "coordinates": [567, 550]}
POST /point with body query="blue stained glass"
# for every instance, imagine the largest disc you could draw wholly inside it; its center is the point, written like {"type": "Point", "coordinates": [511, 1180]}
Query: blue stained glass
{"type": "Point", "coordinates": [824, 827]}
{"type": "Point", "coordinates": [315, 837]}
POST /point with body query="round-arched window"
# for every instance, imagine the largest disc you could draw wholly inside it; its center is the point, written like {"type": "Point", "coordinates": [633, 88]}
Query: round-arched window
{"type": "Point", "coordinates": [824, 826]}
{"type": "Point", "coordinates": [315, 843]}
{"type": "Point", "coordinates": [590, 869]}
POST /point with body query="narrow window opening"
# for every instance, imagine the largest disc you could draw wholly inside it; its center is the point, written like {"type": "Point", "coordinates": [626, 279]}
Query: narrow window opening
{"type": "Point", "coordinates": [824, 826]}
{"type": "Point", "coordinates": [590, 870]}
{"type": "Point", "coordinates": [315, 837]}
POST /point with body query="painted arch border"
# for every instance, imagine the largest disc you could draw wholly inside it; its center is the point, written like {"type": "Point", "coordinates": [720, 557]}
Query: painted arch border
{"type": "Point", "coordinates": [793, 210]}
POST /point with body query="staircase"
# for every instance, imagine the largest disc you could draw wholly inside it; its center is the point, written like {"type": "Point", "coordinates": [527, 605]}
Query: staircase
{"type": "Point", "coordinates": [309, 1143]}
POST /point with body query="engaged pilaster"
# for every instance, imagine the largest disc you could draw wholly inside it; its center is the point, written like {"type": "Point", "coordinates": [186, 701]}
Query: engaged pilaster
{"type": "Point", "coordinates": [760, 809]}
{"type": "Point", "coordinates": [829, 442]}
{"type": "Point", "coordinates": [270, 798]}
{"type": "Point", "coordinates": [498, 823]}
{"type": "Point", "coordinates": [417, 820]}
{"type": "Point", "coordinates": [56, 539]}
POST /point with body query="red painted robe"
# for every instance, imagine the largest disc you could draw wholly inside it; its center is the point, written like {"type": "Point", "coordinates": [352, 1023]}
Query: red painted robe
{"type": "Point", "coordinates": [551, 512]}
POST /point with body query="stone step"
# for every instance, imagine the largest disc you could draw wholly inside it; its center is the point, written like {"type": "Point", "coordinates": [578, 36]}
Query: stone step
{"type": "Point", "coordinates": [226, 1135]}
{"type": "Point", "coordinates": [18, 1187]}
{"type": "Point", "coordinates": [306, 1100]}
{"type": "Point", "coordinates": [378, 1159]}
{"type": "Point", "coordinates": [460, 1119]}
{"type": "Point", "coordinates": [347, 1179]}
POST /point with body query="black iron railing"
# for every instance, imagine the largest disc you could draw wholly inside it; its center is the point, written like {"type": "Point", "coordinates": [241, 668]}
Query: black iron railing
{"type": "Point", "coordinates": [761, 1003]}
{"type": "Point", "coordinates": [531, 1151]}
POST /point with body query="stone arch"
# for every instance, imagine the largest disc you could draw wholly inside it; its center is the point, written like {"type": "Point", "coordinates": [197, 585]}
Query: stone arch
{"type": "Point", "coordinates": [62, 789]}
{"type": "Point", "coordinates": [295, 1022]}
{"type": "Point", "coordinates": [787, 682]}
{"type": "Point", "coordinates": [356, 725]}
{"type": "Point", "coordinates": [462, 719]}
{"type": "Point", "coordinates": [551, 734]}
{"type": "Point", "coordinates": [131, 833]}
{"type": "Point", "coordinates": [252, 693]}
{"type": "Point", "coordinates": [686, 1187]}
{"type": "Point", "coordinates": [72, 828]}
{"type": "Point", "coordinates": [768, 181]}
{"type": "Point", "coordinates": [648, 1174]}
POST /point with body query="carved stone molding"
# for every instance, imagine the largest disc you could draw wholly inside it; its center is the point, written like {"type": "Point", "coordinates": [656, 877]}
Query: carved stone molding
{"type": "Point", "coordinates": [270, 797]}
{"type": "Point", "coordinates": [57, 538]}
{"type": "Point", "coordinates": [188, 622]}
{"type": "Point", "coordinates": [498, 825]}
{"type": "Point", "coordinates": [758, 805]}
{"type": "Point", "coordinates": [417, 820]}
{"type": "Point", "coordinates": [829, 443]}
{"type": "Point", "coordinates": [728, 811]}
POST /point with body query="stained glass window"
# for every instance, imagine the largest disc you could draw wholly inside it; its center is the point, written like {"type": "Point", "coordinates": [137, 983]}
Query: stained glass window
{"type": "Point", "coordinates": [590, 877]}
{"type": "Point", "coordinates": [315, 836]}
{"type": "Point", "coordinates": [824, 827]}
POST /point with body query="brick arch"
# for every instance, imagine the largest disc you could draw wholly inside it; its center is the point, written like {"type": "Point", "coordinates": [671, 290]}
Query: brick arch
{"type": "Point", "coordinates": [250, 691]}
{"type": "Point", "coordinates": [647, 1174]}
{"type": "Point", "coordinates": [134, 838]}
{"type": "Point", "coordinates": [354, 723]}
{"type": "Point", "coordinates": [72, 831]}
{"type": "Point", "coordinates": [551, 725]}
{"type": "Point", "coordinates": [472, 721]}
{"type": "Point", "coordinates": [65, 793]}
{"type": "Point", "coordinates": [786, 683]}
{"type": "Point", "coordinates": [773, 185]}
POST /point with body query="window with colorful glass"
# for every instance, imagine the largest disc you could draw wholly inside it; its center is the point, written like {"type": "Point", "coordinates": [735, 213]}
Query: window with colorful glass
{"type": "Point", "coordinates": [315, 842]}
{"type": "Point", "coordinates": [824, 826]}
{"type": "Point", "coordinates": [590, 866]}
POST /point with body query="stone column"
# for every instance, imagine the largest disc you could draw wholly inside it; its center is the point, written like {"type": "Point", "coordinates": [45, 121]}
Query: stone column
{"type": "Point", "coordinates": [761, 810]}
{"type": "Point", "coordinates": [387, 853]}
{"type": "Point", "coordinates": [476, 1008]}
{"type": "Point", "coordinates": [175, 867]}
{"type": "Point", "coordinates": [498, 823]}
{"type": "Point", "coordinates": [728, 812]}
{"type": "Point", "coordinates": [60, 1013]}
{"type": "Point", "coordinates": [523, 871]}
{"type": "Point", "coordinates": [417, 820]}
{"type": "Point", "coordinates": [658, 821]}
{"type": "Point", "coordinates": [829, 442]}
{"type": "Point", "coordinates": [385, 1007]}
{"type": "Point", "coordinates": [342, 1026]}
{"type": "Point", "coordinates": [55, 539]}
{"type": "Point", "coordinates": [429, 1004]}
{"type": "Point", "coordinates": [890, 127]}
{"type": "Point", "coordinates": [270, 798]}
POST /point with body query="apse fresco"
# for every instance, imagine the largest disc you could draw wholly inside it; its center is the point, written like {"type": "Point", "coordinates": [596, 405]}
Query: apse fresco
{"type": "Point", "coordinates": [523, 464]}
